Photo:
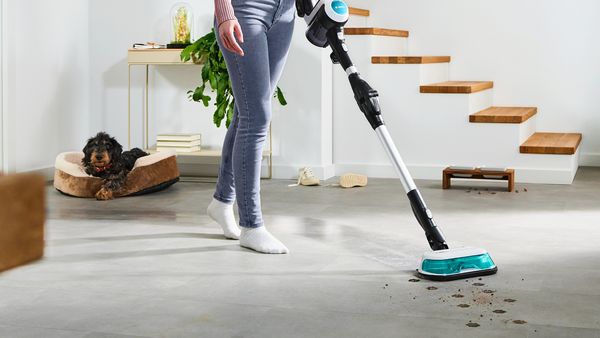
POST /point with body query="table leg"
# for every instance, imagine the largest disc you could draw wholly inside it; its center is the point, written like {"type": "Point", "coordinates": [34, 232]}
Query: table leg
{"type": "Point", "coordinates": [147, 95]}
{"type": "Point", "coordinates": [129, 108]}
{"type": "Point", "coordinates": [511, 182]}
{"type": "Point", "coordinates": [445, 181]}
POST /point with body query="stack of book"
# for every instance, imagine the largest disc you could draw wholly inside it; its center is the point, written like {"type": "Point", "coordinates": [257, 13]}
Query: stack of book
{"type": "Point", "coordinates": [180, 142]}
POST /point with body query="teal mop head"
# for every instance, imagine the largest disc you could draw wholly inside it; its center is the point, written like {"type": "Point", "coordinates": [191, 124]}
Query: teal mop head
{"type": "Point", "coordinates": [451, 264]}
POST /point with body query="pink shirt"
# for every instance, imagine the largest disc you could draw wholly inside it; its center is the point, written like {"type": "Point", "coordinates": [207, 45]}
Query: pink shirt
{"type": "Point", "coordinates": [223, 11]}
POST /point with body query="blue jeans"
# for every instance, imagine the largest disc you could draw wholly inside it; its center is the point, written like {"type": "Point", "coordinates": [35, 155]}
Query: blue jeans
{"type": "Point", "coordinates": [267, 26]}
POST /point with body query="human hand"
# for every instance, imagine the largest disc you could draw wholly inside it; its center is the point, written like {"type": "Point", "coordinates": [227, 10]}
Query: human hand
{"type": "Point", "coordinates": [230, 33]}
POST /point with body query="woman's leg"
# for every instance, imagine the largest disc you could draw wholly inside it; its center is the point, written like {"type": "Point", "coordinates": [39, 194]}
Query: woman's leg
{"type": "Point", "coordinates": [279, 37]}
{"type": "Point", "coordinates": [252, 86]}
{"type": "Point", "coordinates": [225, 191]}
{"type": "Point", "coordinates": [221, 208]}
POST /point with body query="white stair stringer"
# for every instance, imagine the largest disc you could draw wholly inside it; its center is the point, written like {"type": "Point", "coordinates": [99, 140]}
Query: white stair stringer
{"type": "Point", "coordinates": [433, 131]}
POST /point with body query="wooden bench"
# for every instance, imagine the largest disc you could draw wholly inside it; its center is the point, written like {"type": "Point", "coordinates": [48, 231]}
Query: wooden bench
{"type": "Point", "coordinates": [478, 173]}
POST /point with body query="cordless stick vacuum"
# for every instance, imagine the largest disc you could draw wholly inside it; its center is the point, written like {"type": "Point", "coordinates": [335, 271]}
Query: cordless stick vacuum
{"type": "Point", "coordinates": [326, 20]}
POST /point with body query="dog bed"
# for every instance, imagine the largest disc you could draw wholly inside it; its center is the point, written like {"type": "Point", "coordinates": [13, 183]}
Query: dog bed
{"type": "Point", "coordinates": [151, 173]}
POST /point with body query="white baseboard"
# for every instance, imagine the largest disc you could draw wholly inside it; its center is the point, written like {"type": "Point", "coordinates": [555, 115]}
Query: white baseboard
{"type": "Point", "coordinates": [424, 172]}
{"type": "Point", "coordinates": [290, 172]}
{"type": "Point", "coordinates": [590, 160]}
{"type": "Point", "coordinates": [432, 172]}
{"type": "Point", "coordinates": [47, 173]}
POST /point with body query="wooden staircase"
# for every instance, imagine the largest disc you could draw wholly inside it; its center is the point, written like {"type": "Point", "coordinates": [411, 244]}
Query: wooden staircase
{"type": "Point", "coordinates": [360, 11]}
{"type": "Point", "coordinates": [409, 60]}
{"type": "Point", "coordinates": [531, 142]}
{"type": "Point", "coordinates": [457, 87]}
{"type": "Point", "coordinates": [552, 143]}
{"type": "Point", "coordinates": [503, 115]}
{"type": "Point", "coordinates": [375, 31]}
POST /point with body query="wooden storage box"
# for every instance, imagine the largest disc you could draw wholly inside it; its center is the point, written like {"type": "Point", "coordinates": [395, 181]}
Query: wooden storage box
{"type": "Point", "coordinates": [22, 218]}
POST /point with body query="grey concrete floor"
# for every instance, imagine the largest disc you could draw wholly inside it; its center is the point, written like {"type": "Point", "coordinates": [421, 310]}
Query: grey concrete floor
{"type": "Point", "coordinates": [156, 266]}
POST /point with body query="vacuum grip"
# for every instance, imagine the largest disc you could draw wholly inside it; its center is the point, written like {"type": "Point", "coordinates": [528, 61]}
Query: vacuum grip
{"type": "Point", "coordinates": [423, 214]}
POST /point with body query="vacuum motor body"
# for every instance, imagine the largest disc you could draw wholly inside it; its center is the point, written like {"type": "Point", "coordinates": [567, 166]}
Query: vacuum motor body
{"type": "Point", "coordinates": [321, 17]}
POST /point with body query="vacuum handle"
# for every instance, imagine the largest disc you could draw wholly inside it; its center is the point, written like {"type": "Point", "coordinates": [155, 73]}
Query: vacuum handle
{"type": "Point", "coordinates": [422, 213]}
{"type": "Point", "coordinates": [335, 37]}
{"type": "Point", "coordinates": [368, 101]}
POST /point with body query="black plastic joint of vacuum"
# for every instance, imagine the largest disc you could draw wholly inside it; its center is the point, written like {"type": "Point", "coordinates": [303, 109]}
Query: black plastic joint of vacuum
{"type": "Point", "coordinates": [334, 59]}
{"type": "Point", "coordinates": [432, 232]}
{"type": "Point", "coordinates": [367, 99]}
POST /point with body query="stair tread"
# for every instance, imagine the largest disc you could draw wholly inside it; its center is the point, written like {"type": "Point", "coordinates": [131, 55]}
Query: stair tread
{"type": "Point", "coordinates": [503, 115]}
{"type": "Point", "coordinates": [407, 60]}
{"type": "Point", "coordinates": [457, 87]}
{"type": "Point", "coordinates": [359, 11]}
{"type": "Point", "coordinates": [552, 143]}
{"type": "Point", "coordinates": [375, 31]}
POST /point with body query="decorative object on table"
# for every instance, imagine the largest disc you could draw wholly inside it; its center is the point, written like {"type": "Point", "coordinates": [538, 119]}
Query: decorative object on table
{"type": "Point", "coordinates": [149, 45]}
{"type": "Point", "coordinates": [483, 173]}
{"type": "Point", "coordinates": [182, 25]}
{"type": "Point", "coordinates": [353, 180]}
{"type": "Point", "coordinates": [179, 142]}
{"type": "Point", "coordinates": [22, 217]}
{"type": "Point", "coordinates": [214, 74]}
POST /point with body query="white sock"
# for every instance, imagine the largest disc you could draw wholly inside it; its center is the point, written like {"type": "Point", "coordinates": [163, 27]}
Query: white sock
{"type": "Point", "coordinates": [222, 213]}
{"type": "Point", "coordinates": [261, 240]}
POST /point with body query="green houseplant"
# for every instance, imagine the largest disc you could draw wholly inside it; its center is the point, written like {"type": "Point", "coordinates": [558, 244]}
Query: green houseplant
{"type": "Point", "coordinates": [214, 75]}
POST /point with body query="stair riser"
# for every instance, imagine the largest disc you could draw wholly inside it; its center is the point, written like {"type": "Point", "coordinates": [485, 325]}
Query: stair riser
{"type": "Point", "coordinates": [404, 78]}
{"type": "Point", "coordinates": [401, 82]}
{"type": "Point", "coordinates": [503, 134]}
{"type": "Point", "coordinates": [369, 45]}
{"type": "Point", "coordinates": [358, 21]}
{"type": "Point", "coordinates": [409, 75]}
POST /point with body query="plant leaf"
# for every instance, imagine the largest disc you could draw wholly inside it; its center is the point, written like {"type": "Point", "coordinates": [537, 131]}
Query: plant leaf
{"type": "Point", "coordinates": [230, 110]}
{"type": "Point", "coordinates": [205, 72]}
{"type": "Point", "coordinates": [197, 96]}
{"type": "Point", "coordinates": [281, 97]}
{"type": "Point", "coordinates": [205, 100]}
{"type": "Point", "coordinates": [213, 80]}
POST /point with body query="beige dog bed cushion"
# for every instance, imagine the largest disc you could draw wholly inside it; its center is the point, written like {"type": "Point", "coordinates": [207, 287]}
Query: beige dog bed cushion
{"type": "Point", "coordinates": [151, 173]}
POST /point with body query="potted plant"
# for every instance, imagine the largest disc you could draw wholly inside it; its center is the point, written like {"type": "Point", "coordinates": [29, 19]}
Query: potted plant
{"type": "Point", "coordinates": [214, 75]}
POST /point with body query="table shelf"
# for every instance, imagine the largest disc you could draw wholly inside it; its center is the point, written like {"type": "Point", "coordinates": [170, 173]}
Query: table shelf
{"type": "Point", "coordinates": [202, 153]}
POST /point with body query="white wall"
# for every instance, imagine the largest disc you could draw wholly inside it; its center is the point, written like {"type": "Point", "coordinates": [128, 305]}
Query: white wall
{"type": "Point", "coordinates": [538, 53]}
{"type": "Point", "coordinates": [114, 27]}
{"type": "Point", "coordinates": [47, 88]}
{"type": "Point", "coordinates": [301, 131]}
{"type": "Point", "coordinates": [3, 78]}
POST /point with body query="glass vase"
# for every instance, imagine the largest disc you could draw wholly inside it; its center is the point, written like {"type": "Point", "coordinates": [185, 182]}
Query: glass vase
{"type": "Point", "coordinates": [182, 22]}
